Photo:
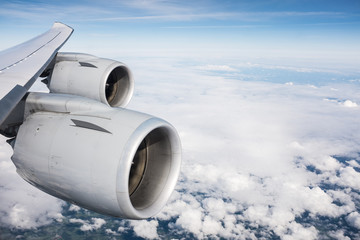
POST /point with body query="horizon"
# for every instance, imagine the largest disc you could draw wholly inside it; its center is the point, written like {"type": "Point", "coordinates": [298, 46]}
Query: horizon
{"type": "Point", "coordinates": [321, 34]}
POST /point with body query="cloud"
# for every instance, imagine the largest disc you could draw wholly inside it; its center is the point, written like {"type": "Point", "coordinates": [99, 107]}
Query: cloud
{"type": "Point", "coordinates": [145, 229]}
{"type": "Point", "coordinates": [350, 104]}
{"type": "Point", "coordinates": [354, 219]}
{"type": "Point", "coordinates": [190, 14]}
{"type": "Point", "coordinates": [224, 68]}
{"type": "Point", "coordinates": [199, 207]}
{"type": "Point", "coordinates": [49, 12]}
{"type": "Point", "coordinates": [174, 17]}
{"type": "Point", "coordinates": [260, 159]}
{"type": "Point", "coordinates": [349, 177]}
{"type": "Point", "coordinates": [74, 208]}
{"type": "Point", "coordinates": [191, 221]}
{"type": "Point", "coordinates": [345, 103]}
{"type": "Point", "coordinates": [87, 225]}
{"type": "Point", "coordinates": [111, 232]}
{"type": "Point", "coordinates": [263, 153]}
{"type": "Point", "coordinates": [338, 234]}
{"type": "Point", "coordinates": [163, 11]}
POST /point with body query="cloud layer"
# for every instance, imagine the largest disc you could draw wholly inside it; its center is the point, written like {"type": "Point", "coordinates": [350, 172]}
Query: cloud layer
{"type": "Point", "coordinates": [260, 159]}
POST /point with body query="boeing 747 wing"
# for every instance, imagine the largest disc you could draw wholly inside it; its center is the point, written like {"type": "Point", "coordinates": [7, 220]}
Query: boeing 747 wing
{"type": "Point", "coordinates": [21, 65]}
{"type": "Point", "coordinates": [78, 142]}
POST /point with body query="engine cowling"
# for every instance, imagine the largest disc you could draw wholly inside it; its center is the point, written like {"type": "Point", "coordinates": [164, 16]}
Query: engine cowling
{"type": "Point", "coordinates": [110, 160]}
{"type": "Point", "coordinates": [101, 79]}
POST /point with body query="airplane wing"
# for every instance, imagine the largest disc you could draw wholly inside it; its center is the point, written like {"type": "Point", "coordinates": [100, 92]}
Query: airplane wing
{"type": "Point", "coordinates": [21, 65]}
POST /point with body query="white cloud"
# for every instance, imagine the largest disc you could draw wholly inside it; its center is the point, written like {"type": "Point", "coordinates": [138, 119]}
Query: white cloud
{"type": "Point", "coordinates": [257, 156]}
{"type": "Point", "coordinates": [121, 229]}
{"type": "Point", "coordinates": [349, 177]}
{"type": "Point", "coordinates": [224, 68]}
{"type": "Point", "coordinates": [211, 226]}
{"type": "Point", "coordinates": [145, 229]}
{"type": "Point", "coordinates": [339, 235]}
{"type": "Point", "coordinates": [350, 104]}
{"type": "Point", "coordinates": [265, 147]}
{"type": "Point", "coordinates": [98, 222]}
{"type": "Point", "coordinates": [297, 68]}
{"type": "Point", "coordinates": [217, 208]}
{"type": "Point", "coordinates": [87, 225]}
{"type": "Point", "coordinates": [74, 208]}
{"type": "Point", "coordinates": [326, 163]}
{"type": "Point", "coordinates": [297, 231]}
{"type": "Point", "coordinates": [191, 220]}
{"type": "Point", "coordinates": [353, 163]}
{"type": "Point", "coordinates": [75, 220]}
{"type": "Point", "coordinates": [353, 219]}
{"type": "Point", "coordinates": [111, 232]}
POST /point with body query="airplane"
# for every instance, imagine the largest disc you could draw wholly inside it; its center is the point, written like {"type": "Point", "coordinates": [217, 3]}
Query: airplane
{"type": "Point", "coordinates": [78, 142]}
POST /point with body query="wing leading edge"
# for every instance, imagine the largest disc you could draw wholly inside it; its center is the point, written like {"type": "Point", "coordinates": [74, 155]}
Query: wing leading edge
{"type": "Point", "coordinates": [21, 65]}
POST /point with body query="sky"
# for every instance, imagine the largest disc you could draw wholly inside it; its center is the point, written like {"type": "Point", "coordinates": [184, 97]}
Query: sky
{"type": "Point", "coordinates": [264, 95]}
{"type": "Point", "coordinates": [320, 32]}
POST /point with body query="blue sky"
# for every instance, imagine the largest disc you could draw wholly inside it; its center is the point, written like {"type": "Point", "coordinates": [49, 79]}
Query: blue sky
{"type": "Point", "coordinates": [325, 30]}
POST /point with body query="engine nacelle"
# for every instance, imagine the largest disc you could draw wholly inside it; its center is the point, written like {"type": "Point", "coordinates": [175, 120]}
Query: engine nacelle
{"type": "Point", "coordinates": [104, 80]}
{"type": "Point", "coordinates": [110, 160]}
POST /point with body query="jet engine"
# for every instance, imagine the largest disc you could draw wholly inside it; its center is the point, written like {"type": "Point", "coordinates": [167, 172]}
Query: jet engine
{"type": "Point", "coordinates": [77, 144]}
{"type": "Point", "coordinates": [101, 79]}
{"type": "Point", "coordinates": [110, 160]}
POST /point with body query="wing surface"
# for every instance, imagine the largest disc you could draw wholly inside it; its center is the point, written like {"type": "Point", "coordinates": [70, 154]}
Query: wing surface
{"type": "Point", "coordinates": [21, 65]}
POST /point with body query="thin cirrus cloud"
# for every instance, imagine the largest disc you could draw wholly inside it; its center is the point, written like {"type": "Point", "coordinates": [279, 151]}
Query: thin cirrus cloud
{"type": "Point", "coordinates": [153, 10]}
{"type": "Point", "coordinates": [166, 23]}
{"type": "Point", "coordinates": [248, 17]}
{"type": "Point", "coordinates": [174, 17]}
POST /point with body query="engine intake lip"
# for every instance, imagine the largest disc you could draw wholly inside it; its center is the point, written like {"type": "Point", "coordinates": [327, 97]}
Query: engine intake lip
{"type": "Point", "coordinates": [163, 159]}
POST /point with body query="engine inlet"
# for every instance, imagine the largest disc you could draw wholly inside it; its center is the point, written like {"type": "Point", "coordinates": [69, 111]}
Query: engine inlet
{"type": "Point", "coordinates": [118, 86]}
{"type": "Point", "coordinates": [151, 172]}
{"type": "Point", "coordinates": [138, 167]}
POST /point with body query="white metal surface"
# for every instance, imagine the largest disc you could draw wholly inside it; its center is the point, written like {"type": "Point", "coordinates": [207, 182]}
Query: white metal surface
{"type": "Point", "coordinates": [76, 145]}
{"type": "Point", "coordinates": [22, 64]}
{"type": "Point", "coordinates": [89, 76]}
{"type": "Point", "coordinates": [91, 167]}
